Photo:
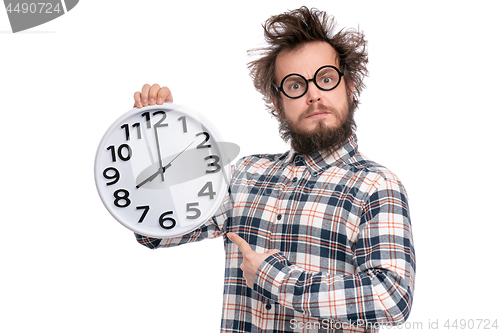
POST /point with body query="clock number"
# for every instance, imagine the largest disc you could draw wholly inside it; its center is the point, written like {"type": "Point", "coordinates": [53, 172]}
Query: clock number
{"type": "Point", "coordinates": [138, 130]}
{"type": "Point", "coordinates": [146, 210]}
{"type": "Point", "coordinates": [207, 190]}
{"type": "Point", "coordinates": [120, 151]}
{"type": "Point", "coordinates": [190, 208]}
{"type": "Point", "coordinates": [167, 222]}
{"type": "Point", "coordinates": [207, 137]}
{"type": "Point", "coordinates": [119, 198]}
{"type": "Point", "coordinates": [148, 119]}
{"type": "Point", "coordinates": [214, 164]}
{"type": "Point", "coordinates": [184, 124]}
{"type": "Point", "coordinates": [160, 122]}
{"type": "Point", "coordinates": [115, 176]}
{"type": "Point", "coordinates": [127, 131]}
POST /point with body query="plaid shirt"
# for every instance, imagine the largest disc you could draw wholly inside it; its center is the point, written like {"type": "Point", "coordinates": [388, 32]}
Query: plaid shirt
{"type": "Point", "coordinates": [342, 225]}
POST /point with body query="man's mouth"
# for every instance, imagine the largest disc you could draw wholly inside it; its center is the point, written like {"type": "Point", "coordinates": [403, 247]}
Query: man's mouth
{"type": "Point", "coordinates": [317, 111]}
{"type": "Point", "coordinates": [317, 114]}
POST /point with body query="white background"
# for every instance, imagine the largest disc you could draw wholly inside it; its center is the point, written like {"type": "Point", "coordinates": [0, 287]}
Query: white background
{"type": "Point", "coordinates": [429, 113]}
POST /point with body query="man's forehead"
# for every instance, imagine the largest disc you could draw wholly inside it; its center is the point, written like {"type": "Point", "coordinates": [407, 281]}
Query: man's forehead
{"type": "Point", "coordinates": [305, 58]}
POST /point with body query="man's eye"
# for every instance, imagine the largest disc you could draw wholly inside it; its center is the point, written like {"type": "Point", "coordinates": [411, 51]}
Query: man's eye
{"type": "Point", "coordinates": [295, 86]}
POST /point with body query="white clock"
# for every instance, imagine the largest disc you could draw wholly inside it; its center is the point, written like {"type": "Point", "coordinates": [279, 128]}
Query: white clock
{"type": "Point", "coordinates": [163, 170]}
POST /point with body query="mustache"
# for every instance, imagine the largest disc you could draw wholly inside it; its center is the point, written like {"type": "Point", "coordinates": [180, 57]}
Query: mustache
{"type": "Point", "coordinates": [315, 107]}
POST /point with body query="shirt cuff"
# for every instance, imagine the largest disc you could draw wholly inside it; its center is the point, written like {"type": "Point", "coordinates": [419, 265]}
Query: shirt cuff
{"type": "Point", "coordinates": [270, 276]}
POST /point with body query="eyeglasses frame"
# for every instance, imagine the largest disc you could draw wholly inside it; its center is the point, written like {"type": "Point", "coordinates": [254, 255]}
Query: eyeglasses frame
{"type": "Point", "coordinates": [280, 88]}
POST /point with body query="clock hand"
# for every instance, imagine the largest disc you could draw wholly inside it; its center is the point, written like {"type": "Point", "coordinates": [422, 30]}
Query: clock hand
{"type": "Point", "coordinates": [162, 169]}
{"type": "Point", "coordinates": [169, 163]}
{"type": "Point", "coordinates": [150, 178]}
{"type": "Point", "coordinates": [153, 176]}
{"type": "Point", "coordinates": [159, 153]}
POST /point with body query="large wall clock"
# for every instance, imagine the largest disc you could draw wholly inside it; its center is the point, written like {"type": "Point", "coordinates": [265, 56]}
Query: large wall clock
{"type": "Point", "coordinates": [162, 171]}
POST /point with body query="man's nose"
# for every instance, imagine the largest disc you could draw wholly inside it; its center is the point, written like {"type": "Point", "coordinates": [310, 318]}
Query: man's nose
{"type": "Point", "coordinates": [313, 94]}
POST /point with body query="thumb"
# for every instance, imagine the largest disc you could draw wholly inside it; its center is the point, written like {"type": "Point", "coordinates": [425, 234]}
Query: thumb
{"type": "Point", "coordinates": [273, 251]}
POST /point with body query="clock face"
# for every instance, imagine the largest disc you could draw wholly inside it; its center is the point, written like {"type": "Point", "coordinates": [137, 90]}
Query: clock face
{"type": "Point", "coordinates": [162, 171]}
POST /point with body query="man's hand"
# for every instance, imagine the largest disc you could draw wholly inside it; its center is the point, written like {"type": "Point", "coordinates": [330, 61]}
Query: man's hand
{"type": "Point", "coordinates": [251, 259]}
{"type": "Point", "coordinates": [151, 95]}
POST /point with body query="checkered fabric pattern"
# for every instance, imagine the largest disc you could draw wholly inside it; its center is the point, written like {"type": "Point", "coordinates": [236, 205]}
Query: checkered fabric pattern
{"type": "Point", "coordinates": [342, 225]}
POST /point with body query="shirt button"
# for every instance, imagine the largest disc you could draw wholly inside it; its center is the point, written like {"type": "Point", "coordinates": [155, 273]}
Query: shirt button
{"type": "Point", "coordinates": [268, 306]}
{"type": "Point", "coordinates": [279, 217]}
{"type": "Point", "coordinates": [294, 179]}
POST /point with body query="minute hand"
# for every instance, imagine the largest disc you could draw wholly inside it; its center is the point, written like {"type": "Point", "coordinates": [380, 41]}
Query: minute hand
{"type": "Point", "coordinates": [170, 163]}
{"type": "Point", "coordinates": [159, 151]}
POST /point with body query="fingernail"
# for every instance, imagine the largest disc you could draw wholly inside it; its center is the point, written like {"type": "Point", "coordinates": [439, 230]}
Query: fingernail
{"type": "Point", "coordinates": [152, 101]}
{"type": "Point", "coordinates": [229, 235]}
{"type": "Point", "coordinates": [159, 101]}
{"type": "Point", "coordinates": [144, 102]}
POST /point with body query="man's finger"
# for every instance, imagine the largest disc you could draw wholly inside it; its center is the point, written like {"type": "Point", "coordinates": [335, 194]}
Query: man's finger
{"type": "Point", "coordinates": [164, 95]}
{"type": "Point", "coordinates": [153, 93]}
{"type": "Point", "coordinates": [145, 94]}
{"type": "Point", "coordinates": [137, 100]}
{"type": "Point", "coordinates": [240, 243]}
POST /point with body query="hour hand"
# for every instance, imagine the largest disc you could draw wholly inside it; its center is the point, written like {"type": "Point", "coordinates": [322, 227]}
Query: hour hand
{"type": "Point", "coordinates": [153, 176]}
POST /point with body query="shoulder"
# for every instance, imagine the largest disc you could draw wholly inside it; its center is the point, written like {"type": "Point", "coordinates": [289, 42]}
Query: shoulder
{"type": "Point", "coordinates": [361, 163]}
{"type": "Point", "coordinates": [375, 177]}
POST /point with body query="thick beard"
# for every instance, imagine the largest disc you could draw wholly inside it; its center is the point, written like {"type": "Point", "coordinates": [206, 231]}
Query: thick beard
{"type": "Point", "coordinates": [322, 137]}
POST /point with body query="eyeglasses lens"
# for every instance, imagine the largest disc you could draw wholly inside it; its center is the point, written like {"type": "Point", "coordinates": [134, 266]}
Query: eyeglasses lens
{"type": "Point", "coordinates": [327, 78]}
{"type": "Point", "coordinates": [294, 86]}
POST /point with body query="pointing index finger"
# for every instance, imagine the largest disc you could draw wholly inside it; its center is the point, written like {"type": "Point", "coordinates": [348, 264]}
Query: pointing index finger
{"type": "Point", "coordinates": [240, 243]}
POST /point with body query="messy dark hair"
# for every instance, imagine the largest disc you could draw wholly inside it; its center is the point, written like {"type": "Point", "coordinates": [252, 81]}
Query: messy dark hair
{"type": "Point", "coordinates": [287, 31]}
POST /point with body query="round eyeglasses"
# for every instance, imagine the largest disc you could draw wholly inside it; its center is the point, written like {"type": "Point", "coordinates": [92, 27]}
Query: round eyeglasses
{"type": "Point", "coordinates": [295, 85]}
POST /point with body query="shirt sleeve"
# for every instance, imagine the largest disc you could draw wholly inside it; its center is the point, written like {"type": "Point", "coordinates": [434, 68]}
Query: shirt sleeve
{"type": "Point", "coordinates": [380, 290]}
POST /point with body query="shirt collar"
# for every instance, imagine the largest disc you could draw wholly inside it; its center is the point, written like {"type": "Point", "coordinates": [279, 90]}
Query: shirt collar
{"type": "Point", "coordinates": [320, 161]}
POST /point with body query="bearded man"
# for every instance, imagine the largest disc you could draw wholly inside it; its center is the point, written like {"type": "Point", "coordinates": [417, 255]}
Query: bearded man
{"type": "Point", "coordinates": [318, 238]}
